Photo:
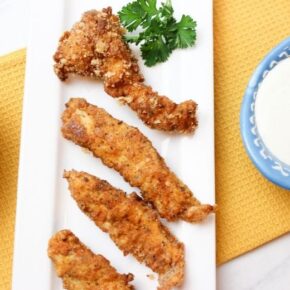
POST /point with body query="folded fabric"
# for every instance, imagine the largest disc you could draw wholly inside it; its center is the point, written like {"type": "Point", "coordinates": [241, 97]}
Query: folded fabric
{"type": "Point", "coordinates": [252, 211]}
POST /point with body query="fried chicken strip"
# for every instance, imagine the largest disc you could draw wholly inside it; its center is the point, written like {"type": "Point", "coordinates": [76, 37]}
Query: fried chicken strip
{"type": "Point", "coordinates": [95, 48]}
{"type": "Point", "coordinates": [131, 224]}
{"type": "Point", "coordinates": [80, 268]}
{"type": "Point", "coordinates": [129, 152]}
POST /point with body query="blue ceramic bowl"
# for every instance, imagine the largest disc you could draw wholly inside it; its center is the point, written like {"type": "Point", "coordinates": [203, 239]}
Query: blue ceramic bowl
{"type": "Point", "coordinates": [270, 166]}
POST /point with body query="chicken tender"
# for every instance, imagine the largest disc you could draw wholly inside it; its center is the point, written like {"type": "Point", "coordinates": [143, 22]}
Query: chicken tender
{"type": "Point", "coordinates": [129, 152]}
{"type": "Point", "coordinates": [80, 268]}
{"type": "Point", "coordinates": [131, 224]}
{"type": "Point", "coordinates": [95, 48]}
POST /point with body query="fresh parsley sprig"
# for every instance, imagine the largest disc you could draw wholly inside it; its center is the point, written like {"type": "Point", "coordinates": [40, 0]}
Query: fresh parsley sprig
{"type": "Point", "coordinates": [160, 32]}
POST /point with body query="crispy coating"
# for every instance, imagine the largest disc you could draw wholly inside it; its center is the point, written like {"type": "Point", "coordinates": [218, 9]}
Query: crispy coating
{"type": "Point", "coordinates": [80, 268]}
{"type": "Point", "coordinates": [128, 151]}
{"type": "Point", "coordinates": [95, 48]}
{"type": "Point", "coordinates": [131, 224]}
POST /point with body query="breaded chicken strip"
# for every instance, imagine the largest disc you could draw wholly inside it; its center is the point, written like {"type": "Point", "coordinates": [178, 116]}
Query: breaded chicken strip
{"type": "Point", "coordinates": [95, 48]}
{"type": "Point", "coordinates": [80, 268]}
{"type": "Point", "coordinates": [128, 151]}
{"type": "Point", "coordinates": [131, 224]}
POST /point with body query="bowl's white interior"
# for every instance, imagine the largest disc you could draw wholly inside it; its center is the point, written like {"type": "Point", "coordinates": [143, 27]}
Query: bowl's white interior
{"type": "Point", "coordinates": [272, 111]}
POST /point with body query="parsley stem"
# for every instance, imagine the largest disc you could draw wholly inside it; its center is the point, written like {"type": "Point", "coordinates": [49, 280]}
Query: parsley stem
{"type": "Point", "coordinates": [132, 38]}
{"type": "Point", "coordinates": [168, 3]}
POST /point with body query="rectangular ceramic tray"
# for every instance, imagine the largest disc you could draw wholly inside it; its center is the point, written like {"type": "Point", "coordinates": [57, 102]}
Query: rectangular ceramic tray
{"type": "Point", "coordinates": [44, 204]}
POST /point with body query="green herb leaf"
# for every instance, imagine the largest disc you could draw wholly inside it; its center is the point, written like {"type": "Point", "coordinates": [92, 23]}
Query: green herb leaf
{"type": "Point", "coordinates": [131, 15]}
{"type": "Point", "coordinates": [149, 6]}
{"type": "Point", "coordinates": [166, 10]}
{"type": "Point", "coordinates": [186, 33]}
{"type": "Point", "coordinates": [161, 32]}
{"type": "Point", "coordinates": [155, 51]}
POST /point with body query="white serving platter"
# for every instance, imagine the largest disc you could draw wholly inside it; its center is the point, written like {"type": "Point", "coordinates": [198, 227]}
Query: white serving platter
{"type": "Point", "coordinates": [44, 205]}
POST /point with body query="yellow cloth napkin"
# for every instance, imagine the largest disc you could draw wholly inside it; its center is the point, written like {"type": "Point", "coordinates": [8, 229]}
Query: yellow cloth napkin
{"type": "Point", "coordinates": [252, 211]}
{"type": "Point", "coordinates": [11, 91]}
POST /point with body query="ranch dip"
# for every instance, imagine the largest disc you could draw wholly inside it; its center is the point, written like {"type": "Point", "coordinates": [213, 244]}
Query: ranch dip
{"type": "Point", "coordinates": [272, 111]}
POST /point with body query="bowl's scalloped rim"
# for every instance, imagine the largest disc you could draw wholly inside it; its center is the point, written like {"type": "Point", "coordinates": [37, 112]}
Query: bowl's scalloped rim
{"type": "Point", "coordinates": [271, 167]}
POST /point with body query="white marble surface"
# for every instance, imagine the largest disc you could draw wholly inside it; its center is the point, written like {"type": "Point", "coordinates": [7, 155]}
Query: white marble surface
{"type": "Point", "coordinates": [266, 268]}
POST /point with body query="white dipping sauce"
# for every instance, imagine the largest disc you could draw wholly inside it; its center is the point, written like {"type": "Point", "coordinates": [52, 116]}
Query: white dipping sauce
{"type": "Point", "coordinates": [272, 110]}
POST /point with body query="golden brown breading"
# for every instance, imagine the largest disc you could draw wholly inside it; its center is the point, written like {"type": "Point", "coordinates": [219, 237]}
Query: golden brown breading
{"type": "Point", "coordinates": [131, 224]}
{"type": "Point", "coordinates": [128, 151]}
{"type": "Point", "coordinates": [80, 268]}
{"type": "Point", "coordinates": [95, 48]}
